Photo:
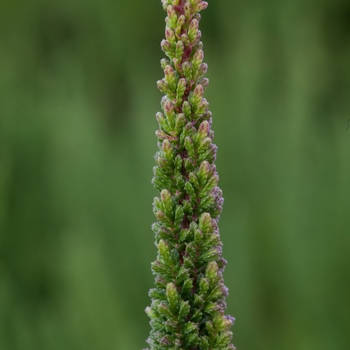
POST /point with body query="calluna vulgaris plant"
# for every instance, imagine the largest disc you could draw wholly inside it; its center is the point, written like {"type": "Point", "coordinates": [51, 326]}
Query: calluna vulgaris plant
{"type": "Point", "coordinates": [188, 303]}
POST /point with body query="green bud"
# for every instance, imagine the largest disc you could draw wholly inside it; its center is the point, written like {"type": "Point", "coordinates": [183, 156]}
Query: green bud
{"type": "Point", "coordinates": [187, 286]}
{"type": "Point", "coordinates": [177, 64]}
{"type": "Point", "coordinates": [203, 172]}
{"type": "Point", "coordinates": [171, 20]}
{"type": "Point", "coordinates": [192, 30]}
{"type": "Point", "coordinates": [162, 218]}
{"type": "Point", "coordinates": [198, 300]}
{"type": "Point", "coordinates": [164, 62]}
{"type": "Point", "coordinates": [171, 326]}
{"type": "Point", "coordinates": [162, 86]}
{"type": "Point", "coordinates": [169, 110]}
{"type": "Point", "coordinates": [172, 297]}
{"type": "Point", "coordinates": [187, 207]}
{"type": "Point", "coordinates": [162, 135]}
{"type": "Point", "coordinates": [167, 149]}
{"type": "Point", "coordinates": [203, 68]}
{"type": "Point", "coordinates": [201, 6]}
{"type": "Point", "coordinates": [166, 46]}
{"type": "Point", "coordinates": [184, 309]}
{"type": "Point", "coordinates": [164, 252]}
{"type": "Point", "coordinates": [189, 147]}
{"type": "Point", "coordinates": [167, 202]}
{"type": "Point", "coordinates": [170, 35]}
{"type": "Point", "coordinates": [198, 237]}
{"type": "Point", "coordinates": [185, 39]}
{"type": "Point", "coordinates": [205, 223]}
{"type": "Point", "coordinates": [193, 180]}
{"type": "Point", "coordinates": [189, 164]}
{"type": "Point", "coordinates": [196, 96]}
{"type": "Point", "coordinates": [203, 129]}
{"type": "Point", "coordinates": [188, 10]}
{"type": "Point", "coordinates": [202, 107]}
{"type": "Point", "coordinates": [197, 60]}
{"type": "Point", "coordinates": [178, 163]}
{"type": "Point", "coordinates": [179, 51]}
{"type": "Point", "coordinates": [189, 327]}
{"type": "Point", "coordinates": [180, 122]}
{"type": "Point", "coordinates": [187, 70]}
{"type": "Point", "coordinates": [210, 185]}
{"type": "Point", "coordinates": [164, 310]}
{"type": "Point", "coordinates": [189, 189]}
{"type": "Point", "coordinates": [179, 214]}
{"type": "Point", "coordinates": [183, 235]}
{"type": "Point", "coordinates": [211, 308]}
{"type": "Point", "coordinates": [186, 108]}
{"type": "Point", "coordinates": [204, 144]}
{"type": "Point", "coordinates": [181, 87]}
{"type": "Point", "coordinates": [150, 312]}
{"type": "Point", "coordinates": [203, 285]}
{"type": "Point", "coordinates": [211, 272]}
{"type": "Point", "coordinates": [180, 22]}
{"type": "Point", "coordinates": [170, 77]}
{"type": "Point", "coordinates": [204, 82]}
{"type": "Point", "coordinates": [163, 123]}
{"type": "Point", "coordinates": [204, 343]}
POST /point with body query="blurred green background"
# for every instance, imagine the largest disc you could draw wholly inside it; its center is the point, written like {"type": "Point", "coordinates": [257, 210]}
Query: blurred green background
{"type": "Point", "coordinates": [77, 121]}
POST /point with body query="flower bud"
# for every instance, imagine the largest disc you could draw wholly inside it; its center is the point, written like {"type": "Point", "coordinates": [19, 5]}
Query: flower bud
{"type": "Point", "coordinates": [186, 109]}
{"type": "Point", "coordinates": [170, 77]}
{"type": "Point", "coordinates": [192, 30]}
{"type": "Point", "coordinates": [187, 70]}
{"type": "Point", "coordinates": [188, 10]}
{"type": "Point", "coordinates": [169, 35]}
{"type": "Point", "coordinates": [181, 87]}
{"type": "Point", "coordinates": [165, 45]}
{"type": "Point", "coordinates": [197, 59]}
{"type": "Point", "coordinates": [171, 20]}
{"type": "Point", "coordinates": [179, 51]}
{"type": "Point", "coordinates": [168, 109]}
{"type": "Point", "coordinates": [162, 86]}
{"type": "Point", "coordinates": [164, 62]}
{"type": "Point", "coordinates": [201, 6]}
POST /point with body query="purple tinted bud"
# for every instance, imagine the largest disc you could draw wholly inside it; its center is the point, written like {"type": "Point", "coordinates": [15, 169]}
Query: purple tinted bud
{"type": "Point", "coordinates": [205, 82]}
{"type": "Point", "coordinates": [199, 56]}
{"type": "Point", "coordinates": [185, 39]}
{"type": "Point", "coordinates": [165, 45]}
{"type": "Point", "coordinates": [169, 35]}
{"type": "Point", "coordinates": [192, 30]}
{"type": "Point", "coordinates": [188, 10]}
{"type": "Point", "coordinates": [204, 127]}
{"type": "Point", "coordinates": [164, 62]}
{"type": "Point", "coordinates": [202, 69]}
{"type": "Point", "coordinates": [201, 6]}
{"type": "Point", "coordinates": [172, 15]}
{"type": "Point", "coordinates": [168, 108]}
{"type": "Point", "coordinates": [198, 91]}
{"type": "Point", "coordinates": [162, 86]}
{"type": "Point", "coordinates": [232, 319]}
{"type": "Point", "coordinates": [181, 21]}
{"type": "Point", "coordinates": [224, 290]}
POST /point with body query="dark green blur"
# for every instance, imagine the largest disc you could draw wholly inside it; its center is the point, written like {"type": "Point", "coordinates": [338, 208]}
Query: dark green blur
{"type": "Point", "coordinates": [77, 119]}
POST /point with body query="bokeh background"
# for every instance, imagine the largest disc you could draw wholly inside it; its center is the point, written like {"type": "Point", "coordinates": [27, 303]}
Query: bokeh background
{"type": "Point", "coordinates": [77, 121]}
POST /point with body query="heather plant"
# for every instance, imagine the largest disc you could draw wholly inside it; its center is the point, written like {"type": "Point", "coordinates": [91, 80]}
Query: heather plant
{"type": "Point", "coordinates": [188, 302]}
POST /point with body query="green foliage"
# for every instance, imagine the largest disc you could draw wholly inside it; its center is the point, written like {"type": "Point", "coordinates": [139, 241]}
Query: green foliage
{"type": "Point", "coordinates": [187, 310]}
